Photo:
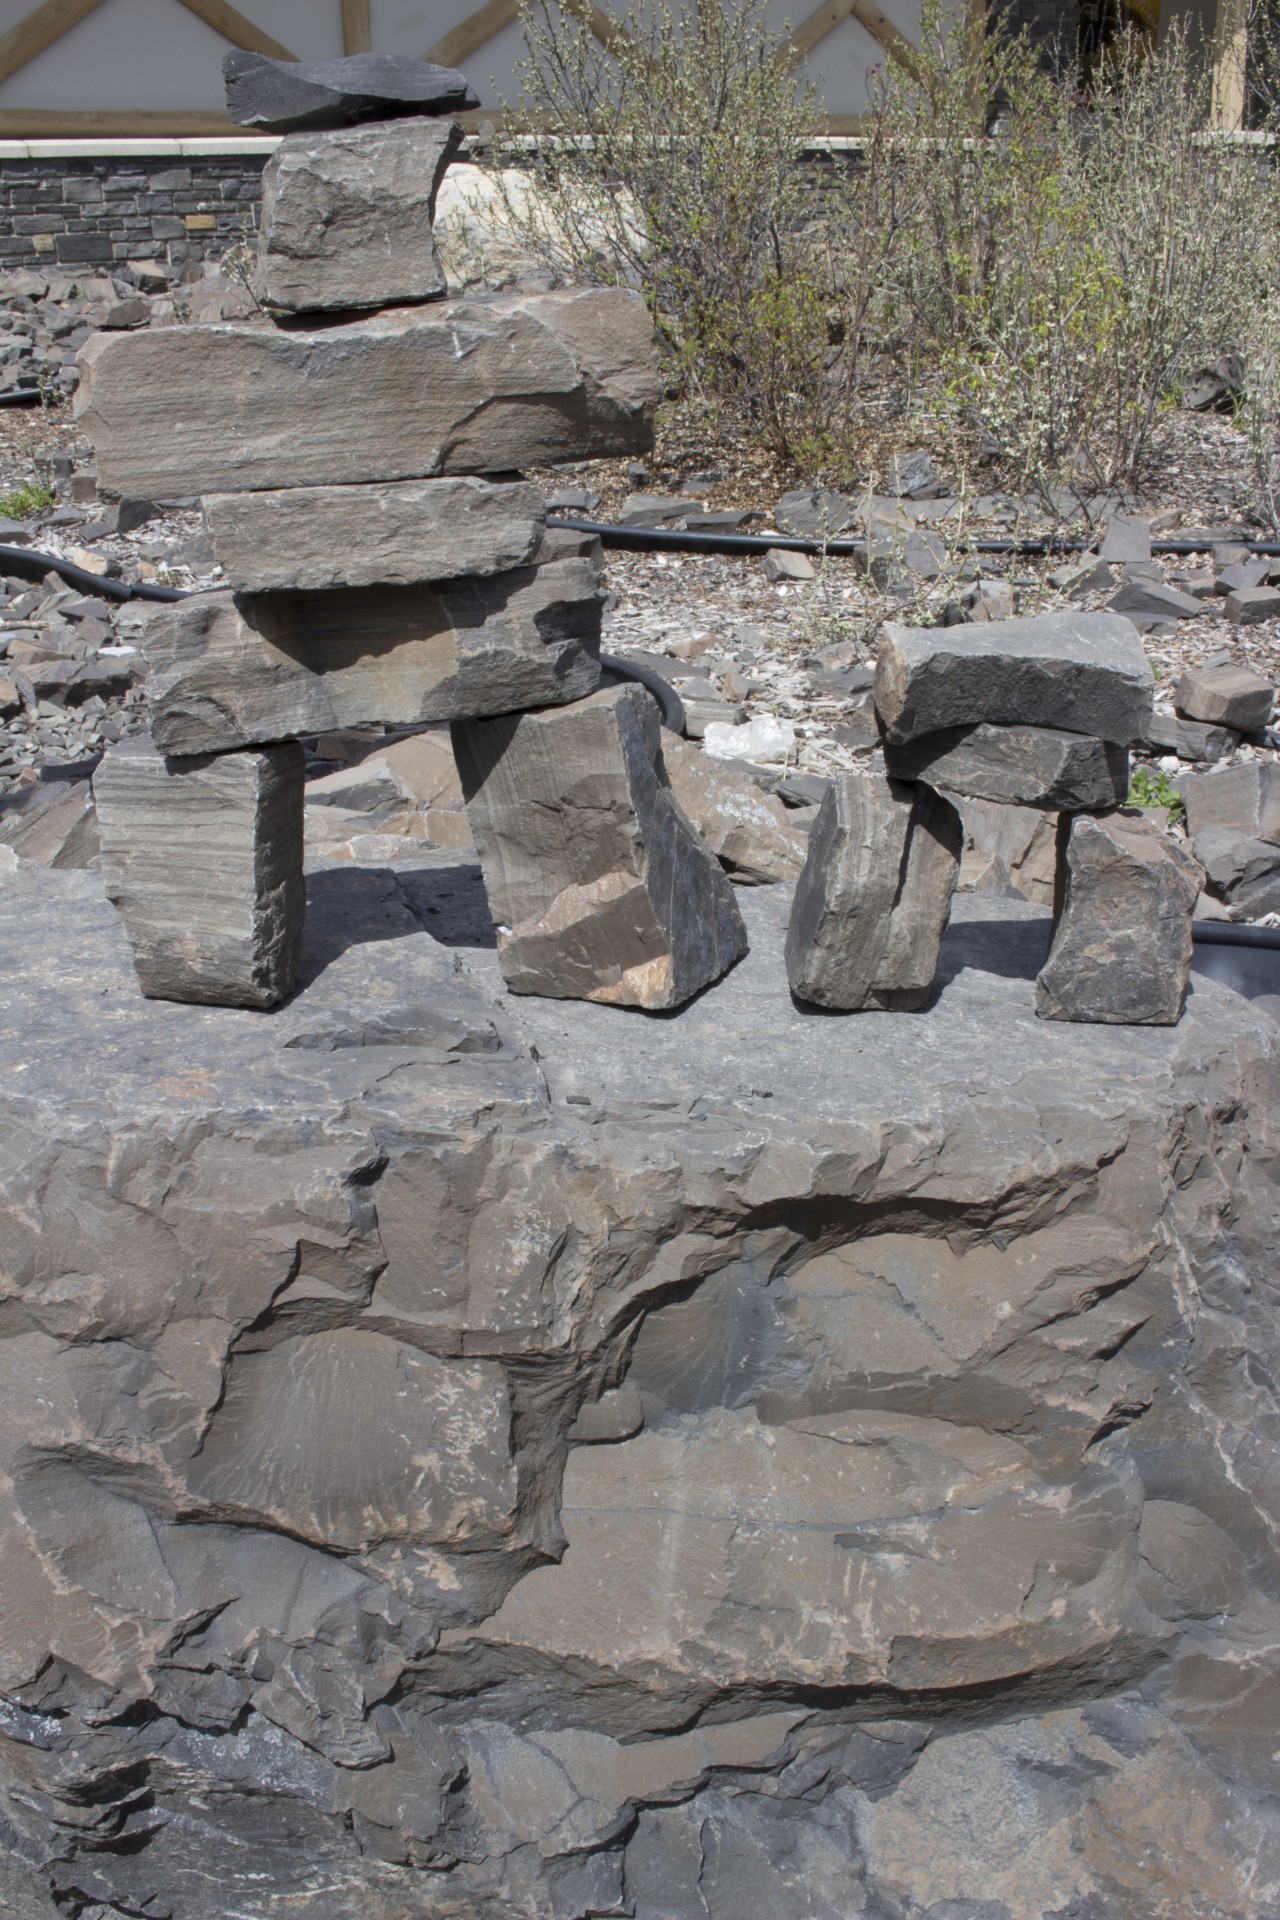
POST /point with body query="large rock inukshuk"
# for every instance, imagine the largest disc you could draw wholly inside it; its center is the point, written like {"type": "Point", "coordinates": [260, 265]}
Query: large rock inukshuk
{"type": "Point", "coordinates": [377, 572]}
{"type": "Point", "coordinates": [1034, 713]}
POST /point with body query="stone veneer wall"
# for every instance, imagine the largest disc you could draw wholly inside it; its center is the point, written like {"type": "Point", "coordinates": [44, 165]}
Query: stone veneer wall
{"type": "Point", "coordinates": [103, 210]}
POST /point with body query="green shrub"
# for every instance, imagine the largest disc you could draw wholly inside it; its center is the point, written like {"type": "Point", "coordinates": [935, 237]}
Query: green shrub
{"type": "Point", "coordinates": [26, 500]}
{"type": "Point", "coordinates": [1154, 789]}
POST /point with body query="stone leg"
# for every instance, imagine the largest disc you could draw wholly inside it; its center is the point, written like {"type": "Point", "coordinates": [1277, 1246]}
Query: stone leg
{"type": "Point", "coordinates": [203, 858]}
{"type": "Point", "coordinates": [600, 887]}
{"type": "Point", "coordinates": [1121, 948]}
{"type": "Point", "coordinates": [874, 899]}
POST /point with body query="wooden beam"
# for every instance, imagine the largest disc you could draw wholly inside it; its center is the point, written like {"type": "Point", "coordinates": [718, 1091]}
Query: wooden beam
{"type": "Point", "coordinates": [357, 35]}
{"type": "Point", "coordinates": [233, 26]}
{"type": "Point", "coordinates": [51, 123]}
{"type": "Point", "coordinates": [38, 30]}
{"type": "Point", "coordinates": [472, 33]}
{"type": "Point", "coordinates": [827, 17]}
{"type": "Point", "coordinates": [1230, 63]}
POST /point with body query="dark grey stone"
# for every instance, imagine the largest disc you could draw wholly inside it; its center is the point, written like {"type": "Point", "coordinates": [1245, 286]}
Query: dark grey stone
{"type": "Point", "coordinates": [814, 513]}
{"type": "Point", "coordinates": [1152, 600]}
{"type": "Point", "coordinates": [872, 903]}
{"type": "Point", "coordinates": [203, 859]}
{"type": "Point", "coordinates": [1126, 539]}
{"type": "Point", "coordinates": [1025, 766]}
{"type": "Point", "coordinates": [1225, 696]}
{"type": "Point", "coordinates": [281, 96]}
{"type": "Point", "coordinates": [1189, 739]}
{"type": "Point", "coordinates": [1082, 672]}
{"type": "Point", "coordinates": [1121, 950]}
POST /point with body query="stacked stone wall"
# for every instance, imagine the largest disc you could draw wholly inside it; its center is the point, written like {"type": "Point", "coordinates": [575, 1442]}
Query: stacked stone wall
{"type": "Point", "coordinates": [99, 211]}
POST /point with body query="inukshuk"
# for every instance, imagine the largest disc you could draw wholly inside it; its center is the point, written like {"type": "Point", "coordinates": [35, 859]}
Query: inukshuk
{"type": "Point", "coordinates": [358, 452]}
{"type": "Point", "coordinates": [1036, 713]}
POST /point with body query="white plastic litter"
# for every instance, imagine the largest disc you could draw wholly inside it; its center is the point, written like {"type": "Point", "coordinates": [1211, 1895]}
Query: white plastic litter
{"type": "Point", "coordinates": [763, 740]}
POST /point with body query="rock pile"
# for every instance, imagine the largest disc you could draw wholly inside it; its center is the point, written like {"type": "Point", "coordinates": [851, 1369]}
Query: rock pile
{"type": "Point", "coordinates": [1038, 713]}
{"type": "Point", "coordinates": [381, 571]}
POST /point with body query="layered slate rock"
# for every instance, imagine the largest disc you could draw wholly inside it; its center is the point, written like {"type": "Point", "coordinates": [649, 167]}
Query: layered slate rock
{"type": "Point", "coordinates": [229, 670]}
{"type": "Point", "coordinates": [456, 387]}
{"type": "Point", "coordinates": [1081, 672]}
{"type": "Point", "coordinates": [1122, 935]}
{"type": "Point", "coordinates": [874, 898]}
{"type": "Point", "coordinates": [203, 859]}
{"type": "Point", "coordinates": [1019, 766]}
{"type": "Point", "coordinates": [279, 96]}
{"type": "Point", "coordinates": [1243, 800]}
{"type": "Point", "coordinates": [346, 217]}
{"type": "Point", "coordinates": [442, 1481]}
{"type": "Point", "coordinates": [600, 887]}
{"type": "Point", "coordinates": [1225, 696]}
{"type": "Point", "coordinates": [310, 539]}
{"type": "Point", "coordinates": [746, 829]}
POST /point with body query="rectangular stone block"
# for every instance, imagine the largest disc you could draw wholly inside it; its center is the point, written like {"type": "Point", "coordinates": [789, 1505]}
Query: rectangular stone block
{"type": "Point", "coordinates": [1081, 672]}
{"type": "Point", "coordinates": [203, 859]}
{"type": "Point", "coordinates": [600, 887]}
{"type": "Point", "coordinates": [313, 538]}
{"type": "Point", "coordinates": [232, 670]}
{"type": "Point", "coordinates": [1121, 951]}
{"type": "Point", "coordinates": [873, 901]}
{"type": "Point", "coordinates": [1245, 800]}
{"type": "Point", "coordinates": [1021, 766]}
{"type": "Point", "coordinates": [346, 216]}
{"type": "Point", "coordinates": [466, 386]}
{"type": "Point", "coordinates": [1225, 696]}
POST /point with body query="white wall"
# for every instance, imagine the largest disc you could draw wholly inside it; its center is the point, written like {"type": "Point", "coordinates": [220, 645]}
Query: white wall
{"type": "Point", "coordinates": [156, 55]}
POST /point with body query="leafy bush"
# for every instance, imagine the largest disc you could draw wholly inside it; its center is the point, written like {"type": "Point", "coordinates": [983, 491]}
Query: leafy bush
{"type": "Point", "coordinates": [26, 500]}
{"type": "Point", "coordinates": [1035, 271]}
{"type": "Point", "coordinates": [1148, 789]}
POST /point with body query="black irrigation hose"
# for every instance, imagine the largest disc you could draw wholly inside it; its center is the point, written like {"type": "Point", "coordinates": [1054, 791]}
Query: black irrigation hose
{"type": "Point", "coordinates": [673, 713]}
{"type": "Point", "coordinates": [669, 540]}
{"type": "Point", "coordinates": [20, 397]}
{"type": "Point", "coordinates": [28, 563]}
{"type": "Point", "coordinates": [1229, 933]}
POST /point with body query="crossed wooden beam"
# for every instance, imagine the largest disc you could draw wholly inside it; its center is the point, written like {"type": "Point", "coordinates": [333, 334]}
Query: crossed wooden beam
{"type": "Point", "coordinates": [47, 23]}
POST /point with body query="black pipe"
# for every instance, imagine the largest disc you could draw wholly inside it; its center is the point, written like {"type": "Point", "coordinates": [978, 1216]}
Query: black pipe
{"type": "Point", "coordinates": [670, 540]}
{"type": "Point", "coordinates": [1234, 933]}
{"type": "Point", "coordinates": [20, 397]}
{"type": "Point", "coordinates": [673, 713]}
{"type": "Point", "coordinates": [28, 563]}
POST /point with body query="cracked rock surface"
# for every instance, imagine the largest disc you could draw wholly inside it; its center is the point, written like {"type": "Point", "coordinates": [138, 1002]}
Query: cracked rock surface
{"type": "Point", "coordinates": [490, 1458]}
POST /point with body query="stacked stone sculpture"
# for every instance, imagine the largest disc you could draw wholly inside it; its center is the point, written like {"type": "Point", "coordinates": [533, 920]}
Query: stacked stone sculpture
{"type": "Point", "coordinates": [1036, 713]}
{"type": "Point", "coordinates": [355, 452]}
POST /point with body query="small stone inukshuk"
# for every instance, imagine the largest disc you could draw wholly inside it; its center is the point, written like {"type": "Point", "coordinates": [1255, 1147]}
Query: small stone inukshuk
{"type": "Point", "coordinates": [1034, 712]}
{"type": "Point", "coordinates": [357, 451]}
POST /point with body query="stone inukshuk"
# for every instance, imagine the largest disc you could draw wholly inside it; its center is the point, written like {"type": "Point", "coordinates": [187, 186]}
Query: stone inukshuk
{"type": "Point", "coordinates": [376, 574]}
{"type": "Point", "coordinates": [1034, 713]}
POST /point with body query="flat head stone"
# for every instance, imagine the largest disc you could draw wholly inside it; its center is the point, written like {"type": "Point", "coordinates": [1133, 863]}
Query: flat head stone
{"type": "Point", "coordinates": [1121, 952]}
{"type": "Point", "coordinates": [231, 670]}
{"type": "Point", "coordinates": [873, 901]}
{"type": "Point", "coordinates": [1022, 766]}
{"type": "Point", "coordinates": [279, 96]}
{"type": "Point", "coordinates": [1080, 672]}
{"type": "Point", "coordinates": [309, 539]}
{"type": "Point", "coordinates": [1153, 600]}
{"type": "Point", "coordinates": [203, 859]}
{"type": "Point", "coordinates": [460, 386]}
{"type": "Point", "coordinates": [1225, 696]}
{"type": "Point", "coordinates": [601, 888]}
{"type": "Point", "coordinates": [346, 217]}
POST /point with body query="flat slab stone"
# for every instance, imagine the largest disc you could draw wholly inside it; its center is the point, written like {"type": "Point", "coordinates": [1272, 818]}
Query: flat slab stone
{"type": "Point", "coordinates": [1244, 799]}
{"type": "Point", "coordinates": [305, 1311]}
{"type": "Point", "coordinates": [1225, 697]}
{"type": "Point", "coordinates": [1082, 672]}
{"type": "Point", "coordinates": [1121, 948]}
{"type": "Point", "coordinates": [1021, 766]}
{"type": "Point", "coordinates": [228, 670]}
{"type": "Point", "coordinates": [600, 887]}
{"type": "Point", "coordinates": [203, 859]}
{"type": "Point", "coordinates": [466, 386]}
{"type": "Point", "coordinates": [873, 900]}
{"type": "Point", "coordinates": [346, 217]}
{"type": "Point", "coordinates": [310, 539]}
{"type": "Point", "coordinates": [277, 96]}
